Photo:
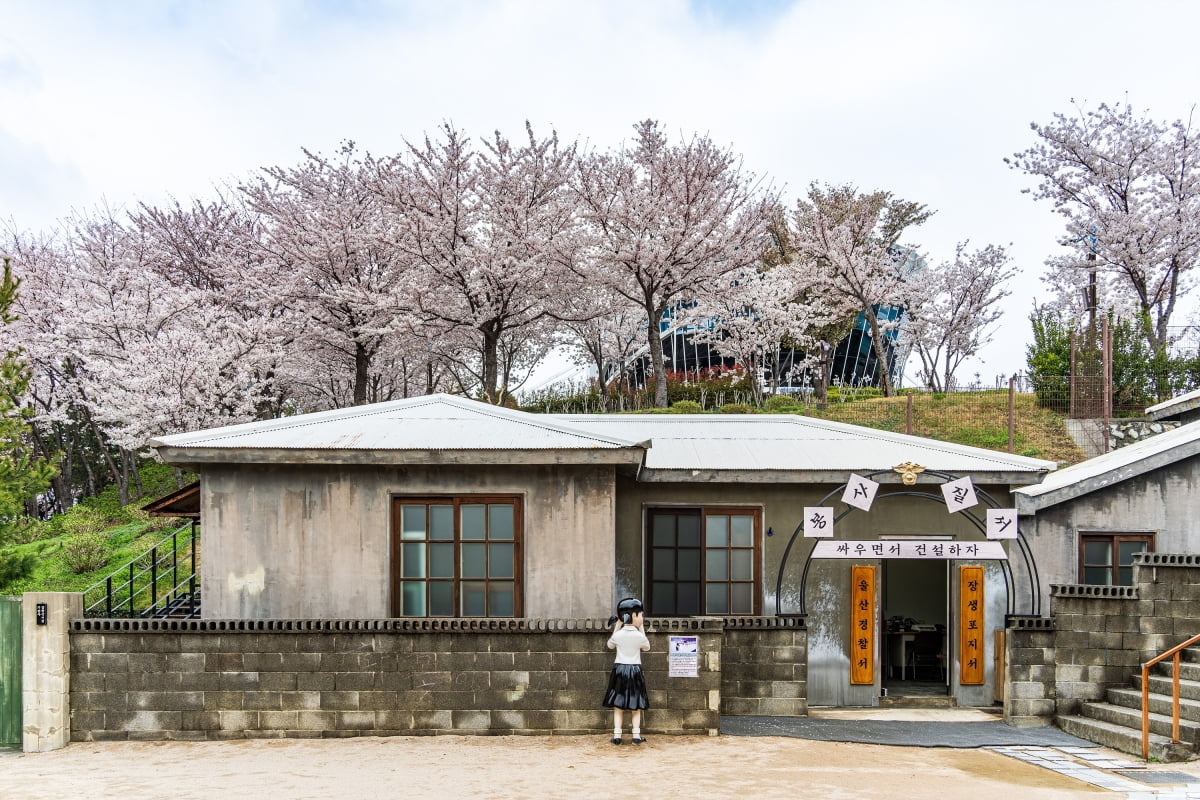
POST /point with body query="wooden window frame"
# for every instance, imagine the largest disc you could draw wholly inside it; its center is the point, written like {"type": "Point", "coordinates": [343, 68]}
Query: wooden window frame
{"type": "Point", "coordinates": [396, 577]}
{"type": "Point", "coordinates": [703, 512]}
{"type": "Point", "coordinates": [1114, 538]}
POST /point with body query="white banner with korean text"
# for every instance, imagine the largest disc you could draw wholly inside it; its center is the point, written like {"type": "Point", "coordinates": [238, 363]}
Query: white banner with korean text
{"type": "Point", "coordinates": [909, 548]}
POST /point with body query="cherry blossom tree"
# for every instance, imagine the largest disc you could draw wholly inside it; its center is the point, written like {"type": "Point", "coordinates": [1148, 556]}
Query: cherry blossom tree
{"type": "Point", "coordinates": [153, 344]}
{"type": "Point", "coordinates": [485, 236]}
{"type": "Point", "coordinates": [1128, 189]}
{"type": "Point", "coordinates": [750, 319]}
{"type": "Point", "coordinates": [955, 318]}
{"type": "Point", "coordinates": [829, 318]}
{"type": "Point", "coordinates": [665, 224]}
{"type": "Point", "coordinates": [604, 332]}
{"type": "Point", "coordinates": [851, 241]}
{"type": "Point", "coordinates": [325, 232]}
{"type": "Point", "coordinates": [56, 430]}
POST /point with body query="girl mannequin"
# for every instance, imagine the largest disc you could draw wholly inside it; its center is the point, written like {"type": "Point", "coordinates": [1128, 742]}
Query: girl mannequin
{"type": "Point", "coordinates": [626, 684]}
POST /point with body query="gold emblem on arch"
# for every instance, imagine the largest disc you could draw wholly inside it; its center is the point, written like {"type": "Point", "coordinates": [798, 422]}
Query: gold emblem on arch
{"type": "Point", "coordinates": [908, 472]}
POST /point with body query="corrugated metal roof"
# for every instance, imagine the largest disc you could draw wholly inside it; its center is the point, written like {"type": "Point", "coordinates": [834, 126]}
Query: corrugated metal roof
{"type": "Point", "coordinates": [1176, 405]}
{"type": "Point", "coordinates": [1111, 468]}
{"type": "Point", "coordinates": [791, 443]}
{"type": "Point", "coordinates": [444, 428]}
{"type": "Point", "coordinates": [433, 422]}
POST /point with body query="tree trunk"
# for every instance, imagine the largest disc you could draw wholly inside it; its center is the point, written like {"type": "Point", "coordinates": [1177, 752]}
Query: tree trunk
{"type": "Point", "coordinates": [824, 367]}
{"type": "Point", "coordinates": [113, 469]}
{"type": "Point", "coordinates": [362, 371]}
{"type": "Point", "coordinates": [885, 374]}
{"type": "Point", "coordinates": [657, 365]}
{"type": "Point", "coordinates": [491, 362]}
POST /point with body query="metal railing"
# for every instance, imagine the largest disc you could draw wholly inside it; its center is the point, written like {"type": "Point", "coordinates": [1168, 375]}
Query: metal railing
{"type": "Point", "coordinates": [1174, 655]}
{"type": "Point", "coordinates": [161, 581]}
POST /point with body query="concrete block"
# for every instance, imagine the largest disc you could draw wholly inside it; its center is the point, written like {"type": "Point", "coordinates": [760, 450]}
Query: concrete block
{"type": "Point", "coordinates": [353, 681]}
{"type": "Point", "coordinates": [223, 701]}
{"type": "Point", "coordinates": [262, 701]}
{"type": "Point", "coordinates": [394, 719]}
{"type": "Point", "coordinates": [316, 720]}
{"type": "Point", "coordinates": [432, 720]}
{"type": "Point", "coordinates": [339, 701]}
{"type": "Point", "coordinates": [300, 701]}
{"type": "Point", "coordinates": [315, 681]}
{"type": "Point", "coordinates": [279, 720]}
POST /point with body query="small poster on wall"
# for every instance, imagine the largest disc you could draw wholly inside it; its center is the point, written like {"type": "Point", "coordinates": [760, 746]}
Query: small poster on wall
{"type": "Point", "coordinates": [683, 657]}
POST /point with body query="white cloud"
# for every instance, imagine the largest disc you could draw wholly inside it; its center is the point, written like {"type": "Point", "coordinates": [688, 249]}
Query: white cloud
{"type": "Point", "coordinates": [138, 100]}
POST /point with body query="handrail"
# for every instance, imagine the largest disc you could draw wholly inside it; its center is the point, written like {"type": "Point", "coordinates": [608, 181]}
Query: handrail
{"type": "Point", "coordinates": [145, 583]}
{"type": "Point", "coordinates": [1173, 653]}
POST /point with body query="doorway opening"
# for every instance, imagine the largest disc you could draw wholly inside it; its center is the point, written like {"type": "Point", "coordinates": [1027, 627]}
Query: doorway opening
{"type": "Point", "coordinates": [916, 623]}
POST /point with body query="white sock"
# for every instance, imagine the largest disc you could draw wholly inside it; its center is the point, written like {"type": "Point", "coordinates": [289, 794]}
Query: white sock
{"type": "Point", "coordinates": [616, 733]}
{"type": "Point", "coordinates": [637, 733]}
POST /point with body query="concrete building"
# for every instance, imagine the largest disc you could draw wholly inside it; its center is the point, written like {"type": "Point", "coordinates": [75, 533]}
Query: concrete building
{"type": "Point", "coordinates": [1087, 521]}
{"type": "Point", "coordinates": [443, 507]}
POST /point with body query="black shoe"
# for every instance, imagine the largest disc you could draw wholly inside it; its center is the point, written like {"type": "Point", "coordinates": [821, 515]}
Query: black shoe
{"type": "Point", "coordinates": [617, 740]}
{"type": "Point", "coordinates": [638, 740]}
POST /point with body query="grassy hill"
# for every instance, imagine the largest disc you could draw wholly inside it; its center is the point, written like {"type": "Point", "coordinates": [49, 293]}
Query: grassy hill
{"type": "Point", "coordinates": [978, 419]}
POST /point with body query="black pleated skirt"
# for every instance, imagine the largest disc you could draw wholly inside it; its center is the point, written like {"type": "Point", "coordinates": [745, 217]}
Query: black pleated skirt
{"type": "Point", "coordinates": [626, 688]}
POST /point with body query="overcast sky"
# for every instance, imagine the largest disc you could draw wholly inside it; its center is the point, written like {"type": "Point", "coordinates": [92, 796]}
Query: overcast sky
{"type": "Point", "coordinates": [119, 101]}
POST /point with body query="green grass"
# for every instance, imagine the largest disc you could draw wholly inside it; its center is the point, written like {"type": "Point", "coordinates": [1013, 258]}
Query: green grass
{"type": "Point", "coordinates": [51, 574]}
{"type": "Point", "coordinates": [977, 419]}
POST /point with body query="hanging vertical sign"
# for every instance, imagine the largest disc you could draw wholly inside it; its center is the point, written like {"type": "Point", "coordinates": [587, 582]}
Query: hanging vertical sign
{"type": "Point", "coordinates": [970, 625]}
{"type": "Point", "coordinates": [862, 625]}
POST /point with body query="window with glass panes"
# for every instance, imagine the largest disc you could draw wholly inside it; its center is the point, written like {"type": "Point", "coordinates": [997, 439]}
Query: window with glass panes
{"type": "Point", "coordinates": [703, 561]}
{"type": "Point", "coordinates": [456, 557]}
{"type": "Point", "coordinates": [1107, 558]}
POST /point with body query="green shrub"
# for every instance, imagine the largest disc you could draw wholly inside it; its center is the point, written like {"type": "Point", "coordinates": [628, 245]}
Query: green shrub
{"type": "Point", "coordinates": [736, 408]}
{"type": "Point", "coordinates": [687, 407]}
{"type": "Point", "coordinates": [80, 520]}
{"type": "Point", "coordinates": [85, 552]}
{"type": "Point", "coordinates": [779, 402]}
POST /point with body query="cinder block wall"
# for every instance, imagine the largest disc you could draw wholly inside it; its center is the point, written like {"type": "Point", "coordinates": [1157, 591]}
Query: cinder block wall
{"type": "Point", "coordinates": [1098, 637]}
{"type": "Point", "coordinates": [1029, 672]}
{"type": "Point", "coordinates": [764, 669]}
{"type": "Point", "coordinates": [216, 679]}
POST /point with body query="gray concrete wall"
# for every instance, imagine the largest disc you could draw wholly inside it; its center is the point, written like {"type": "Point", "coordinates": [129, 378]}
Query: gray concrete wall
{"type": "Point", "coordinates": [313, 541]}
{"type": "Point", "coordinates": [1160, 502]}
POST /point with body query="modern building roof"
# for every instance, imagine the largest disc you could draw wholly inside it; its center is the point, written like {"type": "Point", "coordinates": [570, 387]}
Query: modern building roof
{"type": "Point", "coordinates": [444, 429]}
{"type": "Point", "coordinates": [789, 448]}
{"type": "Point", "coordinates": [435, 428]}
{"type": "Point", "coordinates": [1176, 406]}
{"type": "Point", "coordinates": [1111, 468]}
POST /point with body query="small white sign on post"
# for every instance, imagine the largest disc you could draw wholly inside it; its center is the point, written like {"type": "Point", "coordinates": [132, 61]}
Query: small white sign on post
{"type": "Point", "coordinates": [1002, 523]}
{"type": "Point", "coordinates": [860, 492]}
{"type": "Point", "coordinates": [683, 657]}
{"type": "Point", "coordinates": [818, 522]}
{"type": "Point", "coordinates": [959, 494]}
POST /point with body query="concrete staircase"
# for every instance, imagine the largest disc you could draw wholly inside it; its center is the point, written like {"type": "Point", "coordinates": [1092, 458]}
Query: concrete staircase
{"type": "Point", "coordinates": [1117, 723]}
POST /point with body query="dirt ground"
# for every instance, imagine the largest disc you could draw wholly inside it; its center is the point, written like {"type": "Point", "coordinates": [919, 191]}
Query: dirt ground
{"type": "Point", "coordinates": [524, 767]}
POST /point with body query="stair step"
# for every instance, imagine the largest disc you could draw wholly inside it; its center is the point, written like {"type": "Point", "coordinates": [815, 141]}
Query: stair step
{"type": "Point", "coordinates": [1160, 702]}
{"type": "Point", "coordinates": [1132, 718]}
{"type": "Point", "coordinates": [1127, 740]}
{"type": "Point", "coordinates": [1188, 670]}
{"type": "Point", "coordinates": [1189, 688]}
